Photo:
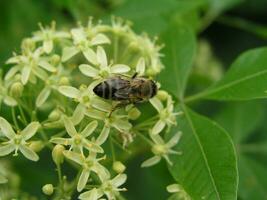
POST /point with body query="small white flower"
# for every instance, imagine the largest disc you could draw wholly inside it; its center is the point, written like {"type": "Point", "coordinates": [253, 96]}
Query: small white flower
{"type": "Point", "coordinates": [109, 187]}
{"type": "Point", "coordinates": [85, 96]}
{"type": "Point", "coordinates": [48, 35]}
{"type": "Point", "coordinates": [31, 65]}
{"type": "Point", "coordinates": [166, 115]}
{"type": "Point", "coordinates": [162, 149]}
{"type": "Point", "coordinates": [84, 44]}
{"type": "Point", "coordinates": [105, 70]}
{"type": "Point", "coordinates": [53, 82]}
{"type": "Point", "coordinates": [89, 164]}
{"type": "Point", "coordinates": [18, 141]}
{"type": "Point", "coordinates": [78, 140]}
{"type": "Point", "coordinates": [4, 96]}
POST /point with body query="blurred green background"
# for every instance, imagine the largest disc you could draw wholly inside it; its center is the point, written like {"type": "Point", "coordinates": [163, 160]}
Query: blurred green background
{"type": "Point", "coordinates": [224, 29]}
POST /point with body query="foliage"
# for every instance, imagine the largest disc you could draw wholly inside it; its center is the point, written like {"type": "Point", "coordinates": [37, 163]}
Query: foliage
{"type": "Point", "coordinates": [210, 62]}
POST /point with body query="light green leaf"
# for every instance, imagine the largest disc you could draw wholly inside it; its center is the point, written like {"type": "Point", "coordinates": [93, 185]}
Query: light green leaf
{"type": "Point", "coordinates": [179, 51]}
{"type": "Point", "coordinates": [207, 169]}
{"type": "Point", "coordinates": [246, 79]}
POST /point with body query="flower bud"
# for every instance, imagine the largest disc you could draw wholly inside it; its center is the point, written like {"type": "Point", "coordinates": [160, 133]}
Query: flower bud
{"type": "Point", "coordinates": [48, 189]}
{"type": "Point", "coordinates": [54, 115]}
{"type": "Point", "coordinates": [28, 44]}
{"type": "Point", "coordinates": [118, 167]}
{"type": "Point", "coordinates": [57, 154]}
{"type": "Point", "coordinates": [16, 89]}
{"type": "Point", "coordinates": [162, 95]}
{"type": "Point", "coordinates": [55, 59]}
{"type": "Point", "coordinates": [36, 146]}
{"type": "Point", "coordinates": [64, 81]}
{"type": "Point", "coordinates": [134, 113]}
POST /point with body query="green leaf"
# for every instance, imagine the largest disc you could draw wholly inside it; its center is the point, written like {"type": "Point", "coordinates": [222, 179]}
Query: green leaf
{"type": "Point", "coordinates": [242, 119]}
{"type": "Point", "coordinates": [153, 16]}
{"type": "Point", "coordinates": [253, 182]}
{"type": "Point", "coordinates": [246, 79]}
{"type": "Point", "coordinates": [179, 52]}
{"type": "Point", "coordinates": [207, 169]}
{"type": "Point", "coordinates": [235, 116]}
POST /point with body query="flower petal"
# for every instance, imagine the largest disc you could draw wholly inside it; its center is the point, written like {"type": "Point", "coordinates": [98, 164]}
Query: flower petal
{"type": "Point", "coordinates": [103, 135]}
{"type": "Point", "coordinates": [174, 140]}
{"type": "Point", "coordinates": [119, 180]}
{"type": "Point", "coordinates": [6, 128]}
{"type": "Point", "coordinates": [140, 67]}
{"type": "Point", "coordinates": [91, 195]}
{"type": "Point", "coordinates": [10, 101]}
{"type": "Point", "coordinates": [48, 46]}
{"type": "Point", "coordinates": [101, 57]}
{"type": "Point", "coordinates": [74, 157]}
{"type": "Point", "coordinates": [88, 70]}
{"type": "Point", "coordinates": [11, 72]}
{"type": "Point", "coordinates": [83, 180]}
{"type": "Point", "coordinates": [151, 161]}
{"type": "Point", "coordinates": [122, 124]}
{"type": "Point", "coordinates": [158, 127]}
{"type": "Point", "coordinates": [42, 97]}
{"type": "Point", "coordinates": [119, 68]}
{"type": "Point", "coordinates": [78, 35]}
{"type": "Point", "coordinates": [101, 105]}
{"type": "Point", "coordinates": [90, 55]}
{"type": "Point", "coordinates": [47, 66]}
{"type": "Point", "coordinates": [93, 147]}
{"type": "Point", "coordinates": [25, 74]}
{"type": "Point", "coordinates": [100, 39]}
{"type": "Point", "coordinates": [63, 141]}
{"type": "Point", "coordinates": [95, 114]}
{"type": "Point", "coordinates": [156, 103]}
{"type": "Point", "coordinates": [69, 126]}
{"type": "Point", "coordinates": [173, 188]}
{"type": "Point", "coordinates": [69, 91]}
{"type": "Point", "coordinates": [157, 139]}
{"type": "Point", "coordinates": [6, 149]}
{"type": "Point", "coordinates": [30, 130]}
{"type": "Point", "coordinates": [28, 153]}
{"type": "Point", "coordinates": [40, 73]}
{"type": "Point", "coordinates": [89, 129]}
{"type": "Point", "coordinates": [78, 114]}
{"type": "Point", "coordinates": [68, 53]}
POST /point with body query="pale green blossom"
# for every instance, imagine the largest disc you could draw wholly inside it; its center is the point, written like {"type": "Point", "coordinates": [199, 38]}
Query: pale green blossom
{"type": "Point", "coordinates": [4, 94]}
{"type": "Point", "coordinates": [162, 149]}
{"type": "Point", "coordinates": [179, 191]}
{"type": "Point", "coordinates": [167, 116]}
{"type": "Point", "coordinates": [78, 140]}
{"type": "Point", "coordinates": [48, 35]}
{"type": "Point", "coordinates": [104, 69]}
{"type": "Point", "coordinates": [30, 64]}
{"type": "Point", "coordinates": [89, 164]}
{"type": "Point", "coordinates": [18, 141]}
{"type": "Point", "coordinates": [109, 187]}
{"type": "Point", "coordinates": [82, 43]}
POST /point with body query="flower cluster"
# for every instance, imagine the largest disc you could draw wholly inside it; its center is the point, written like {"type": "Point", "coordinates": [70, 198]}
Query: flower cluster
{"type": "Point", "coordinates": [48, 90]}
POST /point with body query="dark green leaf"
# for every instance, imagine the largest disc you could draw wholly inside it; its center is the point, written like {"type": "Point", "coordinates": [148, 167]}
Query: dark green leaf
{"type": "Point", "coordinates": [207, 168]}
{"type": "Point", "coordinates": [179, 51]}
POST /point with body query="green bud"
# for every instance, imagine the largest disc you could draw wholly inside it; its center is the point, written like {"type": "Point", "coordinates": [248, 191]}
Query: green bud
{"type": "Point", "coordinates": [54, 115]}
{"type": "Point", "coordinates": [55, 59]}
{"type": "Point", "coordinates": [64, 81]}
{"type": "Point", "coordinates": [16, 89]}
{"type": "Point", "coordinates": [118, 167]}
{"type": "Point", "coordinates": [48, 189]}
{"type": "Point", "coordinates": [36, 146]}
{"type": "Point", "coordinates": [57, 154]}
{"type": "Point", "coordinates": [134, 113]}
{"type": "Point", "coordinates": [162, 95]}
{"type": "Point", "coordinates": [28, 44]}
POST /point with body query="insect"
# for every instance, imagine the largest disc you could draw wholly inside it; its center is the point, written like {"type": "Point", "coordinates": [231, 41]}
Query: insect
{"type": "Point", "coordinates": [126, 90]}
